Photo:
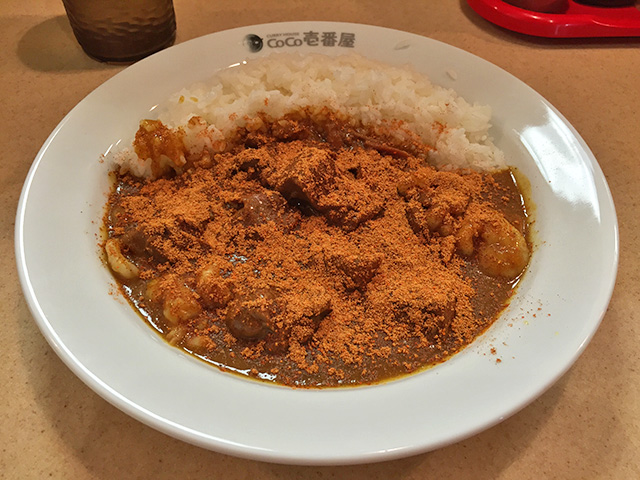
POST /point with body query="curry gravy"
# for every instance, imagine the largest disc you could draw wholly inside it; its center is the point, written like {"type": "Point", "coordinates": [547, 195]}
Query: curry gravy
{"type": "Point", "coordinates": [318, 260]}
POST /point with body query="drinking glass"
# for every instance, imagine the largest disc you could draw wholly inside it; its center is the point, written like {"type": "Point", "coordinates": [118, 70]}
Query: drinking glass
{"type": "Point", "coordinates": [122, 31]}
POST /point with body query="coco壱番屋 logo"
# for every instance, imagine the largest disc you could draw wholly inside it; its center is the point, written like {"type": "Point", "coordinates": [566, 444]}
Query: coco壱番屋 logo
{"type": "Point", "coordinates": [255, 43]}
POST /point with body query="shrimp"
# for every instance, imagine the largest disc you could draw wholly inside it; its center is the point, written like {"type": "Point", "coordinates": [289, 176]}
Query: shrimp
{"type": "Point", "coordinates": [118, 262]}
{"type": "Point", "coordinates": [501, 249]}
{"type": "Point", "coordinates": [214, 290]}
{"type": "Point", "coordinates": [179, 303]}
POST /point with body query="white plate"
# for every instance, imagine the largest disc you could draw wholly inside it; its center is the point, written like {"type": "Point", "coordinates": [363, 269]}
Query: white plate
{"type": "Point", "coordinates": [556, 311]}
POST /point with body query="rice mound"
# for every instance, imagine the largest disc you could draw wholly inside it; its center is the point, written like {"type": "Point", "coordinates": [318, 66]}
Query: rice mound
{"type": "Point", "coordinates": [369, 92]}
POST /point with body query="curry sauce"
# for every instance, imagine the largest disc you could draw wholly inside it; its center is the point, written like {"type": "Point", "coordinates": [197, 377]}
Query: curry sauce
{"type": "Point", "coordinates": [315, 255]}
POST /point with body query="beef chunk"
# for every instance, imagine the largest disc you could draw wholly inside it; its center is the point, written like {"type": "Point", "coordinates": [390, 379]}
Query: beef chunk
{"type": "Point", "coordinates": [306, 308]}
{"type": "Point", "coordinates": [262, 206]}
{"type": "Point", "coordinates": [429, 308]}
{"type": "Point", "coordinates": [434, 200]}
{"type": "Point", "coordinates": [251, 317]}
{"type": "Point", "coordinates": [310, 176]}
{"type": "Point", "coordinates": [356, 269]}
{"type": "Point", "coordinates": [135, 241]}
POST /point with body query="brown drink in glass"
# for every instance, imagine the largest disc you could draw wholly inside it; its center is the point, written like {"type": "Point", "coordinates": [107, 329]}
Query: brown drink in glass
{"type": "Point", "coordinates": [122, 31]}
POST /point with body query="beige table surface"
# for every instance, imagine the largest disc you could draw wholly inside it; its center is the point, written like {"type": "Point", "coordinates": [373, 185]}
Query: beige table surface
{"type": "Point", "coordinates": [586, 426]}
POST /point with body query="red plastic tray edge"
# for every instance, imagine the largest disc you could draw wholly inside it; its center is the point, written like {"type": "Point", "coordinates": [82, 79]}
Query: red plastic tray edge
{"type": "Point", "coordinates": [579, 21]}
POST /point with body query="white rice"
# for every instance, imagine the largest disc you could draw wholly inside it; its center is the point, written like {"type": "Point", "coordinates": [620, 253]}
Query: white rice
{"type": "Point", "coordinates": [367, 91]}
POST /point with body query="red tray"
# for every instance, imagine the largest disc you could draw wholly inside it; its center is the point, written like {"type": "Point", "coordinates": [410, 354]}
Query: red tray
{"type": "Point", "coordinates": [577, 21]}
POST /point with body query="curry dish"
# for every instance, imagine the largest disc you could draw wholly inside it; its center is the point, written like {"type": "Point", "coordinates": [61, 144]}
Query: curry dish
{"type": "Point", "coordinates": [314, 253]}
